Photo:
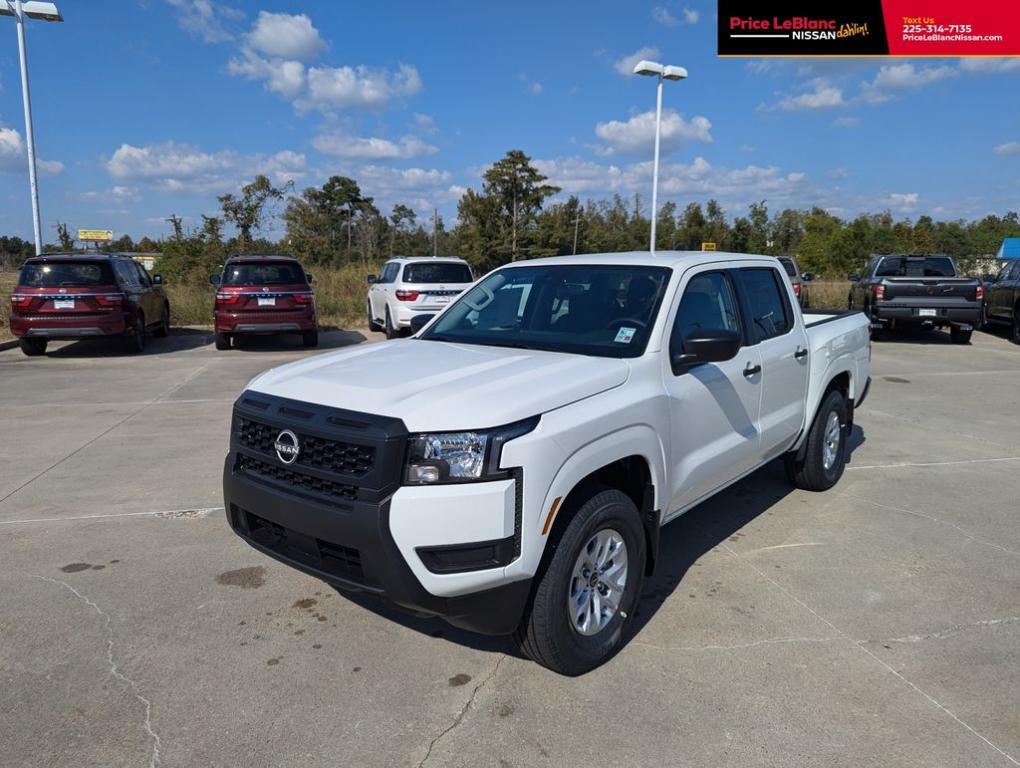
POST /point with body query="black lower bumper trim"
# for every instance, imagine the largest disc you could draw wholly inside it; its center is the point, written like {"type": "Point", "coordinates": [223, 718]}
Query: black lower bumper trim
{"type": "Point", "coordinates": [349, 546]}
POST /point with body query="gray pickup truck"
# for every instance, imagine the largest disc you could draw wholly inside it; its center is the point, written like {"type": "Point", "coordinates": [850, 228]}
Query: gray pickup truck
{"type": "Point", "coordinates": [919, 291]}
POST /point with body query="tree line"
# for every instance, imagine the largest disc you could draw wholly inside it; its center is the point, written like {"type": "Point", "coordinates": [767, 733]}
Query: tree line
{"type": "Point", "coordinates": [510, 217]}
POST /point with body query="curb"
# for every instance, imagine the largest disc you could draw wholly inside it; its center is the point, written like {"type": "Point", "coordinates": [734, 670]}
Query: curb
{"type": "Point", "coordinates": [5, 345]}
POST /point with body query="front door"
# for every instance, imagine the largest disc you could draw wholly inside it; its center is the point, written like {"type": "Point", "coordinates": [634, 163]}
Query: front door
{"type": "Point", "coordinates": [714, 430]}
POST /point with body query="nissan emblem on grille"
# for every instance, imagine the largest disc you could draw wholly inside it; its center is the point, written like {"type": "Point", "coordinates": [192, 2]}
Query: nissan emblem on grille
{"type": "Point", "coordinates": [287, 446]}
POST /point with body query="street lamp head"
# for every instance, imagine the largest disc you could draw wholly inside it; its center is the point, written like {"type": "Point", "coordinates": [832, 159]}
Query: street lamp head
{"type": "Point", "coordinates": [34, 9]}
{"type": "Point", "coordinates": [674, 73]}
{"type": "Point", "coordinates": [648, 68]}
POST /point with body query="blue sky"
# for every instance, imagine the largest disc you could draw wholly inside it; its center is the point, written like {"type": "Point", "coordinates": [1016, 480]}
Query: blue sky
{"type": "Point", "coordinates": [147, 108]}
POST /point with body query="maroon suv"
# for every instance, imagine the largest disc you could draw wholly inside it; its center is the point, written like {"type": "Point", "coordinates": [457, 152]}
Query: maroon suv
{"type": "Point", "coordinates": [264, 294]}
{"type": "Point", "coordinates": [76, 296]}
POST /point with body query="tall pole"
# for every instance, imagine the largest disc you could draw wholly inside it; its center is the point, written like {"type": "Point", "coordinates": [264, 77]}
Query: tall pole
{"type": "Point", "coordinates": [655, 164]}
{"type": "Point", "coordinates": [577, 220]}
{"type": "Point", "coordinates": [29, 133]}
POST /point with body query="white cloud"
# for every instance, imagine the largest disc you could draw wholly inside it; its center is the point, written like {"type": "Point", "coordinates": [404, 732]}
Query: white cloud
{"type": "Point", "coordinates": [991, 64]}
{"type": "Point", "coordinates": [846, 122]}
{"type": "Point", "coordinates": [895, 78]}
{"type": "Point", "coordinates": [691, 16]}
{"type": "Point", "coordinates": [286, 78]}
{"type": "Point", "coordinates": [663, 16]}
{"type": "Point", "coordinates": [357, 148]}
{"type": "Point", "coordinates": [903, 201]}
{"type": "Point", "coordinates": [823, 95]}
{"type": "Point", "coordinates": [837, 173]}
{"type": "Point", "coordinates": [184, 168]}
{"type": "Point", "coordinates": [421, 188]}
{"type": "Point", "coordinates": [425, 123]}
{"type": "Point", "coordinates": [14, 156]}
{"type": "Point", "coordinates": [637, 135]}
{"type": "Point", "coordinates": [1009, 148]}
{"type": "Point", "coordinates": [285, 36]}
{"type": "Point", "coordinates": [625, 66]}
{"type": "Point", "coordinates": [117, 194]}
{"type": "Point", "coordinates": [361, 86]}
{"type": "Point", "coordinates": [577, 176]}
{"type": "Point", "coordinates": [211, 22]}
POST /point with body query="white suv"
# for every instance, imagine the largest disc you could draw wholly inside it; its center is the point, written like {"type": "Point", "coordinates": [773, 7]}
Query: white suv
{"type": "Point", "coordinates": [413, 286]}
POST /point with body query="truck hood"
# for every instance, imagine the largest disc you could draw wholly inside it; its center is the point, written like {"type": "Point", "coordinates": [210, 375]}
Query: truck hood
{"type": "Point", "coordinates": [435, 385]}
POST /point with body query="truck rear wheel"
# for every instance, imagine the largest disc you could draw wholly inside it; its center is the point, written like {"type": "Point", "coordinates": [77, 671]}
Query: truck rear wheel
{"type": "Point", "coordinates": [33, 347]}
{"type": "Point", "coordinates": [586, 597]}
{"type": "Point", "coordinates": [222, 340]}
{"type": "Point", "coordinates": [960, 336]}
{"type": "Point", "coordinates": [1016, 324]}
{"type": "Point", "coordinates": [310, 338]}
{"type": "Point", "coordinates": [134, 341]}
{"type": "Point", "coordinates": [825, 453]}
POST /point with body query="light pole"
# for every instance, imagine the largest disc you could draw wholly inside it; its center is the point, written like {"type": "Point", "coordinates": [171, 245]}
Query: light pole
{"type": "Point", "coordinates": [46, 12]}
{"type": "Point", "coordinates": [667, 72]}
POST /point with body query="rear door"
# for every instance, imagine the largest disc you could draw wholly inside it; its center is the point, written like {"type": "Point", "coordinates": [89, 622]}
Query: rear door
{"type": "Point", "coordinates": [782, 344]}
{"type": "Point", "coordinates": [378, 293]}
{"type": "Point", "coordinates": [152, 300]}
{"type": "Point", "coordinates": [714, 407]}
{"type": "Point", "coordinates": [131, 285]}
{"type": "Point", "coordinates": [430, 285]}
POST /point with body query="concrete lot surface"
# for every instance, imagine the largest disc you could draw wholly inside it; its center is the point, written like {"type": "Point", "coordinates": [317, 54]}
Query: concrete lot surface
{"type": "Point", "coordinates": [874, 625]}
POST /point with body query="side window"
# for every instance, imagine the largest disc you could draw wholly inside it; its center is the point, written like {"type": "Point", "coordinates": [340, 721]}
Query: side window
{"type": "Point", "coordinates": [708, 304]}
{"type": "Point", "coordinates": [389, 273]}
{"type": "Point", "coordinates": [767, 303]}
{"type": "Point", "coordinates": [126, 272]}
{"type": "Point", "coordinates": [143, 276]}
{"type": "Point", "coordinates": [1015, 273]}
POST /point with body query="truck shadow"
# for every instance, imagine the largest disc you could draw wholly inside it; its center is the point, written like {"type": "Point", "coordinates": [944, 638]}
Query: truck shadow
{"type": "Point", "coordinates": [179, 340]}
{"type": "Point", "coordinates": [912, 336]}
{"type": "Point", "coordinates": [328, 339]}
{"type": "Point", "coordinates": [683, 541]}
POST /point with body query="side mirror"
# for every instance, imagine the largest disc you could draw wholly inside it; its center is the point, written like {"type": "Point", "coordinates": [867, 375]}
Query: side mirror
{"type": "Point", "coordinates": [157, 279]}
{"type": "Point", "coordinates": [807, 277]}
{"type": "Point", "coordinates": [853, 277]}
{"type": "Point", "coordinates": [309, 277]}
{"type": "Point", "coordinates": [420, 321]}
{"type": "Point", "coordinates": [372, 279]}
{"type": "Point", "coordinates": [707, 346]}
{"type": "Point", "coordinates": [215, 279]}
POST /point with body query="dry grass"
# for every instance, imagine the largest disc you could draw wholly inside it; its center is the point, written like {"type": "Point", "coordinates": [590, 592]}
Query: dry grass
{"type": "Point", "coordinates": [7, 282]}
{"type": "Point", "coordinates": [828, 294]}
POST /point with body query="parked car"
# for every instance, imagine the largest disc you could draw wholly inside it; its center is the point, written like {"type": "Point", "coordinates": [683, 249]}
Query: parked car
{"type": "Point", "coordinates": [264, 295]}
{"type": "Point", "coordinates": [797, 280]}
{"type": "Point", "coordinates": [920, 291]}
{"type": "Point", "coordinates": [1002, 297]}
{"type": "Point", "coordinates": [85, 295]}
{"type": "Point", "coordinates": [514, 476]}
{"type": "Point", "coordinates": [411, 286]}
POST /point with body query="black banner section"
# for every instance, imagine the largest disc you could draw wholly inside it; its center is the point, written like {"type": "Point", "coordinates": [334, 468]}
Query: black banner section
{"type": "Point", "coordinates": [804, 28]}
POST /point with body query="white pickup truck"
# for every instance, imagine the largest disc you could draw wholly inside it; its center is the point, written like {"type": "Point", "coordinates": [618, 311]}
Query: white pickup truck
{"type": "Point", "coordinates": [510, 465]}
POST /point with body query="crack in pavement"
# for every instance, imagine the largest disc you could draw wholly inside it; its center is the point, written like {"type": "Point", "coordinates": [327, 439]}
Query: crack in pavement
{"type": "Point", "coordinates": [463, 711]}
{"type": "Point", "coordinates": [956, 628]}
{"type": "Point", "coordinates": [737, 647]}
{"type": "Point", "coordinates": [114, 670]}
{"type": "Point", "coordinates": [931, 699]}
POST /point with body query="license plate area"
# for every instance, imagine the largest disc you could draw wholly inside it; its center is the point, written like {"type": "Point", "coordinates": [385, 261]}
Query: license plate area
{"type": "Point", "coordinates": [267, 302]}
{"type": "Point", "coordinates": [63, 303]}
{"type": "Point", "coordinates": [927, 312]}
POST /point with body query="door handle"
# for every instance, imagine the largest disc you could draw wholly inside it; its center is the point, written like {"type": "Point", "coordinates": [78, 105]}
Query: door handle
{"type": "Point", "coordinates": [800, 354]}
{"type": "Point", "coordinates": [752, 370]}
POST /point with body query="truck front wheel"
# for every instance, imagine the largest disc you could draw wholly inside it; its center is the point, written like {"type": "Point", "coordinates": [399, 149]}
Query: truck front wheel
{"type": "Point", "coordinates": [824, 457]}
{"type": "Point", "coordinates": [585, 599]}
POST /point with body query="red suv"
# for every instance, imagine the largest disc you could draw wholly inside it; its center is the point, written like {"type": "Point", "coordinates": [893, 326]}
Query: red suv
{"type": "Point", "coordinates": [76, 296]}
{"type": "Point", "coordinates": [264, 294]}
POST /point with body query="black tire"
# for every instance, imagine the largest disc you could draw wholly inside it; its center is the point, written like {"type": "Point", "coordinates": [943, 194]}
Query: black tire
{"type": "Point", "coordinates": [164, 322]}
{"type": "Point", "coordinates": [222, 340]}
{"type": "Point", "coordinates": [810, 473]}
{"type": "Point", "coordinates": [372, 324]}
{"type": "Point", "coordinates": [391, 332]}
{"type": "Point", "coordinates": [546, 633]}
{"type": "Point", "coordinates": [960, 336]}
{"type": "Point", "coordinates": [134, 342]}
{"type": "Point", "coordinates": [33, 347]}
{"type": "Point", "coordinates": [310, 338]}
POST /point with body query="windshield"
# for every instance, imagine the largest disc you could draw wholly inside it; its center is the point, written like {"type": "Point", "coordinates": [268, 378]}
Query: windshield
{"type": "Point", "coordinates": [605, 311]}
{"type": "Point", "coordinates": [448, 272]}
{"type": "Point", "coordinates": [42, 274]}
{"type": "Point", "coordinates": [926, 266]}
{"type": "Point", "coordinates": [264, 273]}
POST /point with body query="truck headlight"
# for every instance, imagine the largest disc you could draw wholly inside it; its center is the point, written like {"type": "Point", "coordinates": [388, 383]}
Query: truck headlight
{"type": "Point", "coordinates": [461, 457]}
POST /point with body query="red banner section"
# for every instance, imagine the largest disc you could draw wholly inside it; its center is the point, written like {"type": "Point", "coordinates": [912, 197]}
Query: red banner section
{"type": "Point", "coordinates": [948, 28]}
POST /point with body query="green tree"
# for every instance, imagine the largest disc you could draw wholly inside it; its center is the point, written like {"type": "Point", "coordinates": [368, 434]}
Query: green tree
{"type": "Point", "coordinates": [519, 190]}
{"type": "Point", "coordinates": [248, 211]}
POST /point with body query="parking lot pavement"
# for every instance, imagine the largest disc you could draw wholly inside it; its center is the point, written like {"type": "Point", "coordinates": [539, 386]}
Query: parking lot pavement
{"type": "Point", "coordinates": [876, 624]}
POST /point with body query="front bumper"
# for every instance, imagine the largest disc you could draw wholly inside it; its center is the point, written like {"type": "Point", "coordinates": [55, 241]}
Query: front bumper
{"type": "Point", "coordinates": [68, 326]}
{"type": "Point", "coordinates": [432, 550]}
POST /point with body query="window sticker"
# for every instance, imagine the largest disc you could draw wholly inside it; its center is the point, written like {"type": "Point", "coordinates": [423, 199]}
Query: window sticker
{"type": "Point", "coordinates": [624, 335]}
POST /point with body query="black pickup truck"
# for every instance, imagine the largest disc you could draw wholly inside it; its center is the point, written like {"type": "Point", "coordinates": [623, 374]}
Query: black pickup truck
{"type": "Point", "coordinates": [919, 291]}
{"type": "Point", "coordinates": [1002, 301]}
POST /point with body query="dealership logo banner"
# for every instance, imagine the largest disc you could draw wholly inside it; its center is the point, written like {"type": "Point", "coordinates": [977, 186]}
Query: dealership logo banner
{"type": "Point", "coordinates": [869, 28]}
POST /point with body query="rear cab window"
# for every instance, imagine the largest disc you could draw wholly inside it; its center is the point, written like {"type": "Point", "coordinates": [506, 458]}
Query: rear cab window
{"type": "Point", "coordinates": [789, 266]}
{"type": "Point", "coordinates": [766, 304]}
{"type": "Point", "coordinates": [915, 266]}
{"type": "Point", "coordinates": [264, 273]}
{"type": "Point", "coordinates": [442, 272]}
{"type": "Point", "coordinates": [59, 273]}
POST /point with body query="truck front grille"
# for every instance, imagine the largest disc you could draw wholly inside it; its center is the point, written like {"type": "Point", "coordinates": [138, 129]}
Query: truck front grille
{"type": "Point", "coordinates": [320, 453]}
{"type": "Point", "coordinates": [291, 480]}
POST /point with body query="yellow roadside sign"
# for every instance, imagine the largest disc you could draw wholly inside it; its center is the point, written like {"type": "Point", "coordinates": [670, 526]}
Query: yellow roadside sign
{"type": "Point", "coordinates": [709, 246]}
{"type": "Point", "coordinates": [95, 235]}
